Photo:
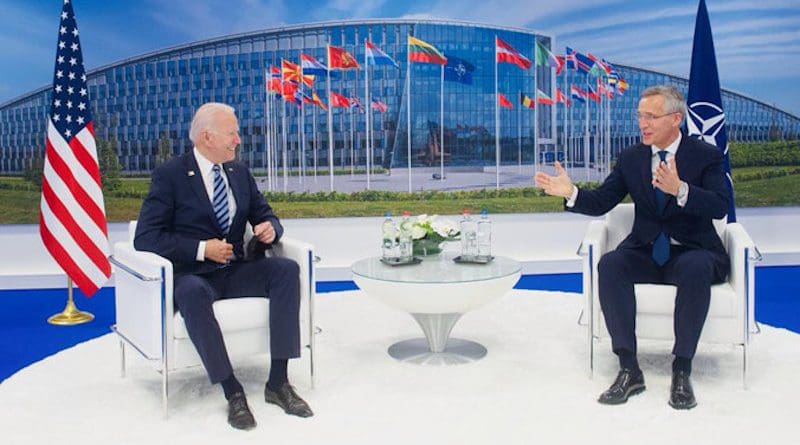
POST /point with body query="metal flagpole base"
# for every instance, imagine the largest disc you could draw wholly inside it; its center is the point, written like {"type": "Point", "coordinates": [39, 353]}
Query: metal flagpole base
{"type": "Point", "coordinates": [70, 316]}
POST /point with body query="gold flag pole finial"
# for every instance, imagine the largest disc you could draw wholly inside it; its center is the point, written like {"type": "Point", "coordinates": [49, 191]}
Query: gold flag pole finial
{"type": "Point", "coordinates": [70, 315]}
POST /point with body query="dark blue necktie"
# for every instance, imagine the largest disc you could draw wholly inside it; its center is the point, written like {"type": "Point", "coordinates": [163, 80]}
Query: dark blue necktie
{"type": "Point", "coordinates": [661, 244]}
{"type": "Point", "coordinates": [220, 201]}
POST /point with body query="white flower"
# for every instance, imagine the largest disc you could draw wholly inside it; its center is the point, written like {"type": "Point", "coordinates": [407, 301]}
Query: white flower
{"type": "Point", "coordinates": [445, 227]}
{"type": "Point", "coordinates": [417, 232]}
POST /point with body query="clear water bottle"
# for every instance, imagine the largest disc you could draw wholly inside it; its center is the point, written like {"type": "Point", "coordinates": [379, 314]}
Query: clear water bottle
{"type": "Point", "coordinates": [469, 242]}
{"type": "Point", "coordinates": [389, 231]}
{"type": "Point", "coordinates": [484, 236]}
{"type": "Point", "coordinates": [405, 244]}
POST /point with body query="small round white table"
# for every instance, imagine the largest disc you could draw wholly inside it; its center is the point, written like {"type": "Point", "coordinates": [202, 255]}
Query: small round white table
{"type": "Point", "coordinates": [436, 292]}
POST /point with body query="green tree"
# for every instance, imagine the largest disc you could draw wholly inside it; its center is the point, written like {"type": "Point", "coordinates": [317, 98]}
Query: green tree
{"type": "Point", "coordinates": [109, 163]}
{"type": "Point", "coordinates": [164, 149]}
{"type": "Point", "coordinates": [34, 170]}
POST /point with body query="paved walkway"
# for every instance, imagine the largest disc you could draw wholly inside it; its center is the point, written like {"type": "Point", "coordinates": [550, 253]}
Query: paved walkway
{"type": "Point", "coordinates": [423, 178]}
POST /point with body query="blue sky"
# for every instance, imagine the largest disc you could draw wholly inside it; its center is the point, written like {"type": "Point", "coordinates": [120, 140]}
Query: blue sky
{"type": "Point", "coordinates": [757, 41]}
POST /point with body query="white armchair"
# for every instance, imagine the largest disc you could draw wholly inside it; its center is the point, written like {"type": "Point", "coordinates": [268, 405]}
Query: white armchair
{"type": "Point", "coordinates": [146, 320]}
{"type": "Point", "coordinates": [730, 315]}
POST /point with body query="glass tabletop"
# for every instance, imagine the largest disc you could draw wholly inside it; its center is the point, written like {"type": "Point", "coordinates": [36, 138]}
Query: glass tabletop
{"type": "Point", "coordinates": [436, 269]}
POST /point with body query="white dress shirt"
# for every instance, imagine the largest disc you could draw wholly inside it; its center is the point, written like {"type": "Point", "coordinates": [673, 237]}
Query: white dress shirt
{"type": "Point", "coordinates": [207, 173]}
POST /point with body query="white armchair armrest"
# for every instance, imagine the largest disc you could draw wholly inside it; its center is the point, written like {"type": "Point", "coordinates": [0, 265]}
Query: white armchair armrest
{"type": "Point", "coordinates": [743, 255]}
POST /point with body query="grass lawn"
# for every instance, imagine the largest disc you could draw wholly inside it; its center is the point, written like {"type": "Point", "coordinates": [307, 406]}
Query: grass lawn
{"type": "Point", "coordinates": [21, 206]}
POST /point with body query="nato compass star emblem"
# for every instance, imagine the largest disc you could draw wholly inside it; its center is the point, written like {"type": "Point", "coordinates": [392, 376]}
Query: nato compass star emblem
{"type": "Point", "coordinates": [460, 70]}
{"type": "Point", "coordinates": [705, 120]}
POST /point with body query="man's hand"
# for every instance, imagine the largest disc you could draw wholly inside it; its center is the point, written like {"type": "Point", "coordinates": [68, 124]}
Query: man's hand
{"type": "Point", "coordinates": [666, 177]}
{"type": "Point", "coordinates": [264, 232]}
{"type": "Point", "coordinates": [218, 251]}
{"type": "Point", "coordinates": [558, 185]}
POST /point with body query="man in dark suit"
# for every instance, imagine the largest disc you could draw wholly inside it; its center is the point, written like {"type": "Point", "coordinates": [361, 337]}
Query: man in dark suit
{"type": "Point", "coordinates": [195, 215]}
{"type": "Point", "coordinates": [678, 187]}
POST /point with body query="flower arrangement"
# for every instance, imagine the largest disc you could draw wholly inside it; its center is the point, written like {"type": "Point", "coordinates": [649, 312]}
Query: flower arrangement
{"type": "Point", "coordinates": [429, 232]}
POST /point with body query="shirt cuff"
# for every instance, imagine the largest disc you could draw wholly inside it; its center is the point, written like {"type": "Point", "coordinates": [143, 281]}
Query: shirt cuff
{"type": "Point", "coordinates": [571, 200]}
{"type": "Point", "coordinates": [683, 194]}
{"type": "Point", "coordinates": [201, 251]}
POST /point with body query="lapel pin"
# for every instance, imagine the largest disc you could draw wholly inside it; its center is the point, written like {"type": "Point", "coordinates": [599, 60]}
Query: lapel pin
{"type": "Point", "coordinates": [190, 173]}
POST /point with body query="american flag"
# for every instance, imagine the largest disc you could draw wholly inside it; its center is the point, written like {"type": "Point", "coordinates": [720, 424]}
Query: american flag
{"type": "Point", "coordinates": [72, 221]}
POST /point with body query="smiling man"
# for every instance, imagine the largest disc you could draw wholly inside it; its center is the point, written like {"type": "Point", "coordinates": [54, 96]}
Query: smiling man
{"type": "Point", "coordinates": [195, 215]}
{"type": "Point", "coordinates": [678, 188]}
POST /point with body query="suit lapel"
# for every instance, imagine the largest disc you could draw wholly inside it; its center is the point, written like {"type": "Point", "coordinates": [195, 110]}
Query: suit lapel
{"type": "Point", "coordinates": [195, 178]}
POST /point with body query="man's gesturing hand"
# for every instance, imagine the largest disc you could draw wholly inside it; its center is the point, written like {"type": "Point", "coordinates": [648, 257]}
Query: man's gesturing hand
{"type": "Point", "coordinates": [558, 185]}
{"type": "Point", "coordinates": [264, 232]}
{"type": "Point", "coordinates": [219, 251]}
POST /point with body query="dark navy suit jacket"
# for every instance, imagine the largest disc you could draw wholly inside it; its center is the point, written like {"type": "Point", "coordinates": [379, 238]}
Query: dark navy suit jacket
{"type": "Point", "coordinates": [177, 213]}
{"type": "Point", "coordinates": [699, 165]}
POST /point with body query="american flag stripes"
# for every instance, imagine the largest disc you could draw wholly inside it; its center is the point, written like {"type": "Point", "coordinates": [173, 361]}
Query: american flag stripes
{"type": "Point", "coordinates": [72, 222]}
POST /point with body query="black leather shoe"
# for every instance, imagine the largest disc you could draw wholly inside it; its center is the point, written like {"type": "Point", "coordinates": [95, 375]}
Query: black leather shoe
{"type": "Point", "coordinates": [286, 398]}
{"type": "Point", "coordinates": [681, 394]}
{"type": "Point", "coordinates": [628, 383]}
{"type": "Point", "coordinates": [239, 415]}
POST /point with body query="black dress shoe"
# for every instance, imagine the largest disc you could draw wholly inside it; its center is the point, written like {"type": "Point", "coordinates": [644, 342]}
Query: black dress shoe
{"type": "Point", "coordinates": [286, 398]}
{"type": "Point", "coordinates": [628, 383]}
{"type": "Point", "coordinates": [239, 415]}
{"type": "Point", "coordinates": [681, 394]}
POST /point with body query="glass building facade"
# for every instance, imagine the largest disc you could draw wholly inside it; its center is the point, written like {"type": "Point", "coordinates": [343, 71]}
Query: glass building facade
{"type": "Point", "coordinates": [145, 104]}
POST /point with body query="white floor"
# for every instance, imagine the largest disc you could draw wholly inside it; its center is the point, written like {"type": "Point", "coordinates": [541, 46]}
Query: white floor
{"type": "Point", "coordinates": [532, 387]}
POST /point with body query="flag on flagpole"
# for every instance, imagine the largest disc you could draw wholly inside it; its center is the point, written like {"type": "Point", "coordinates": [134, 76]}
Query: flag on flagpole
{"type": "Point", "coordinates": [337, 100]}
{"type": "Point", "coordinates": [569, 57]}
{"type": "Point", "coordinates": [706, 119]}
{"type": "Point", "coordinates": [379, 106]}
{"type": "Point", "coordinates": [592, 94]}
{"type": "Point", "coordinates": [293, 73]}
{"type": "Point", "coordinates": [578, 94]}
{"type": "Point", "coordinates": [310, 65]}
{"type": "Point", "coordinates": [72, 222]}
{"type": "Point", "coordinates": [340, 59]}
{"type": "Point", "coordinates": [560, 97]}
{"type": "Point", "coordinates": [585, 64]}
{"type": "Point", "coordinates": [544, 58]}
{"type": "Point", "coordinates": [503, 101]}
{"type": "Point", "coordinates": [355, 103]}
{"type": "Point", "coordinates": [526, 101]}
{"type": "Point", "coordinates": [423, 52]}
{"type": "Point", "coordinates": [506, 53]}
{"type": "Point", "coordinates": [274, 82]}
{"type": "Point", "coordinates": [318, 102]}
{"type": "Point", "coordinates": [458, 70]}
{"type": "Point", "coordinates": [377, 57]}
{"type": "Point", "coordinates": [543, 98]}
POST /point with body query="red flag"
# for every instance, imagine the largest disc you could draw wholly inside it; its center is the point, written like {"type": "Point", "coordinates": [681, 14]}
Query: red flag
{"type": "Point", "coordinates": [560, 97]}
{"type": "Point", "coordinates": [292, 72]}
{"type": "Point", "coordinates": [72, 222]}
{"type": "Point", "coordinates": [274, 82]}
{"type": "Point", "coordinates": [507, 53]}
{"type": "Point", "coordinates": [501, 99]}
{"type": "Point", "coordinates": [340, 59]}
{"type": "Point", "coordinates": [380, 106]}
{"type": "Point", "coordinates": [337, 100]}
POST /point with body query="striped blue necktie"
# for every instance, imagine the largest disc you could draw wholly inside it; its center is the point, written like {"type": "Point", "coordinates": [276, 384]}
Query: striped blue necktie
{"type": "Point", "coordinates": [220, 201]}
{"type": "Point", "coordinates": [661, 244]}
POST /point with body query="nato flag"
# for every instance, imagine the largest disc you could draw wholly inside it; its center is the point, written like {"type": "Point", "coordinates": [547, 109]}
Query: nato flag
{"type": "Point", "coordinates": [705, 119]}
{"type": "Point", "coordinates": [458, 70]}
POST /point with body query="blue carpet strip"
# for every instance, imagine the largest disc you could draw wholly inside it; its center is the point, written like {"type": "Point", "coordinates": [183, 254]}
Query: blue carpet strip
{"type": "Point", "coordinates": [27, 337]}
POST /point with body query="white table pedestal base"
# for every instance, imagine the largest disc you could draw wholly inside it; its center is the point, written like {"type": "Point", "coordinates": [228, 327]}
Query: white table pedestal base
{"type": "Point", "coordinates": [457, 352]}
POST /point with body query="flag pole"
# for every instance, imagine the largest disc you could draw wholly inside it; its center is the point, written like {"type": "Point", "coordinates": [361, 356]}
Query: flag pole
{"type": "Point", "coordinates": [301, 132]}
{"type": "Point", "coordinates": [315, 138]}
{"type": "Point", "coordinates": [535, 111]}
{"type": "Point", "coordinates": [496, 122]}
{"type": "Point", "coordinates": [519, 134]}
{"type": "Point", "coordinates": [368, 104]}
{"type": "Point", "coordinates": [284, 152]}
{"type": "Point", "coordinates": [70, 315]}
{"type": "Point", "coordinates": [408, 112]}
{"type": "Point", "coordinates": [265, 126]}
{"type": "Point", "coordinates": [330, 120]}
{"type": "Point", "coordinates": [586, 135]}
{"type": "Point", "coordinates": [441, 125]}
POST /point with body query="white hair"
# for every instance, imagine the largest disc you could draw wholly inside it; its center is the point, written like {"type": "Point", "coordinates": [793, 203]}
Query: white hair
{"type": "Point", "coordinates": [204, 118]}
{"type": "Point", "coordinates": [673, 99]}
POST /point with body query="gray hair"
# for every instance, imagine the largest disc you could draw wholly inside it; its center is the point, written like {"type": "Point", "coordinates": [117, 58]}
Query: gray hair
{"type": "Point", "coordinates": [204, 117]}
{"type": "Point", "coordinates": [673, 99]}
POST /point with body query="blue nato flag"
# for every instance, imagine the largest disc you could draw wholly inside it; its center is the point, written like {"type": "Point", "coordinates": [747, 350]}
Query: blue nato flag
{"type": "Point", "coordinates": [706, 119]}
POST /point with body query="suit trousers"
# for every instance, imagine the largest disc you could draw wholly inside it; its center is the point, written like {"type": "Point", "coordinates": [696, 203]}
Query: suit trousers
{"type": "Point", "coordinates": [692, 271]}
{"type": "Point", "coordinates": [275, 278]}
